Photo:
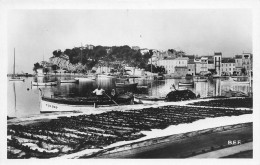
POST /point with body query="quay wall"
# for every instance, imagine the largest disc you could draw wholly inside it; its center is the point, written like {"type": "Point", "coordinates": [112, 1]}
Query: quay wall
{"type": "Point", "coordinates": [165, 139]}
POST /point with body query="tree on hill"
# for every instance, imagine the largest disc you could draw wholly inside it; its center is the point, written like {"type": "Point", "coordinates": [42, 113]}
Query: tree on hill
{"type": "Point", "coordinates": [117, 56]}
{"type": "Point", "coordinates": [37, 66]}
{"type": "Point", "coordinates": [56, 53]}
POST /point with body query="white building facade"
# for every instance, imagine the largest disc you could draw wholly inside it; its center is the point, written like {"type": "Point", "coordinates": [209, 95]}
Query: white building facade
{"type": "Point", "coordinates": [170, 63]}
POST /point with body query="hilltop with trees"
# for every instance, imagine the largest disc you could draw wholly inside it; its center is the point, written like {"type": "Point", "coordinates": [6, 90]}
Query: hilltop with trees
{"type": "Point", "coordinates": [115, 56]}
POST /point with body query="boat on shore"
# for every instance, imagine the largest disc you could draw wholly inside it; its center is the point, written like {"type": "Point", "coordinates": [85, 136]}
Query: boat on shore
{"type": "Point", "coordinates": [61, 104]}
{"type": "Point", "coordinates": [148, 99]}
{"type": "Point", "coordinates": [186, 84]}
{"type": "Point", "coordinates": [69, 81]}
{"type": "Point", "coordinates": [53, 83]}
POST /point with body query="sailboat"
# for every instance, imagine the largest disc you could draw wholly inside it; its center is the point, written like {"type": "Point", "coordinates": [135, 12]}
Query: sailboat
{"type": "Point", "coordinates": [14, 78]}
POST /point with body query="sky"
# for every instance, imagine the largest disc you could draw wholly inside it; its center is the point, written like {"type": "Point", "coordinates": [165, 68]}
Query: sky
{"type": "Point", "coordinates": [35, 34]}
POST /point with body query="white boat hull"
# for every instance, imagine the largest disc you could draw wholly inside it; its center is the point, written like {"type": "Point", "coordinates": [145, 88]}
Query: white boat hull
{"type": "Point", "coordinates": [44, 84]}
{"type": "Point", "coordinates": [16, 79]}
{"type": "Point", "coordinates": [185, 84]}
{"type": "Point", "coordinates": [235, 82]}
{"type": "Point", "coordinates": [47, 106]}
{"type": "Point", "coordinates": [146, 101]}
{"type": "Point", "coordinates": [85, 78]}
{"type": "Point", "coordinates": [201, 80]}
{"type": "Point", "coordinates": [69, 81]}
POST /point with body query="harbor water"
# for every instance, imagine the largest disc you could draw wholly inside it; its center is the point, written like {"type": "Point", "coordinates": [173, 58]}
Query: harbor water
{"type": "Point", "coordinates": [23, 99]}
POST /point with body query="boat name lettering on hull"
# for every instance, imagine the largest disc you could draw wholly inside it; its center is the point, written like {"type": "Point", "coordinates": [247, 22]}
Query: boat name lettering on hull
{"type": "Point", "coordinates": [51, 106]}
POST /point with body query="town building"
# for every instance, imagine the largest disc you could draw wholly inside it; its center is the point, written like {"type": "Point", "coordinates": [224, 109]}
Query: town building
{"type": "Point", "coordinates": [90, 47]}
{"type": "Point", "coordinates": [247, 62]}
{"type": "Point", "coordinates": [238, 65]}
{"type": "Point", "coordinates": [144, 51]}
{"type": "Point", "coordinates": [103, 69]}
{"type": "Point", "coordinates": [227, 66]}
{"type": "Point", "coordinates": [181, 64]}
{"type": "Point", "coordinates": [136, 47]}
{"type": "Point", "coordinates": [191, 67]}
{"type": "Point", "coordinates": [217, 62]}
{"type": "Point", "coordinates": [134, 71]}
{"type": "Point", "coordinates": [201, 65]}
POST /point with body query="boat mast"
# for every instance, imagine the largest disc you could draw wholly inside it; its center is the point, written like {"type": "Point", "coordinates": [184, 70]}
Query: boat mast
{"type": "Point", "coordinates": [14, 64]}
{"type": "Point", "coordinates": [81, 54]}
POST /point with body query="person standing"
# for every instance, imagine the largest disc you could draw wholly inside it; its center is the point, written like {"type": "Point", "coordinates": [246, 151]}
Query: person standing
{"type": "Point", "coordinates": [99, 93]}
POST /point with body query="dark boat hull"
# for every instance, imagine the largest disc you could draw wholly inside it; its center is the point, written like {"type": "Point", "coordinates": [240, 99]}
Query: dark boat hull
{"type": "Point", "coordinates": [134, 85]}
{"type": "Point", "coordinates": [57, 104]}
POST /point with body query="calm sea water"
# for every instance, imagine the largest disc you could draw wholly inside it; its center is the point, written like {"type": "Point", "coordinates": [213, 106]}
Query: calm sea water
{"type": "Point", "coordinates": [24, 99]}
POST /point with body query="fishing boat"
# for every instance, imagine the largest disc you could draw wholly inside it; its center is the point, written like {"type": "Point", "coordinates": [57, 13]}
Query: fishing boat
{"type": "Point", "coordinates": [124, 85]}
{"type": "Point", "coordinates": [106, 75]}
{"type": "Point", "coordinates": [240, 82]}
{"type": "Point", "coordinates": [186, 84]}
{"type": "Point", "coordinates": [235, 82]}
{"type": "Point", "coordinates": [216, 76]}
{"type": "Point", "coordinates": [148, 99]}
{"type": "Point", "coordinates": [58, 104]}
{"type": "Point", "coordinates": [69, 81]}
{"type": "Point", "coordinates": [15, 78]}
{"type": "Point", "coordinates": [53, 83]}
{"type": "Point", "coordinates": [85, 78]}
{"type": "Point", "coordinates": [200, 79]}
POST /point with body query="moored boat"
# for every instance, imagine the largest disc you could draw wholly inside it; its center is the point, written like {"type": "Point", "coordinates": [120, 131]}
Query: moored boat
{"type": "Point", "coordinates": [57, 104]}
{"type": "Point", "coordinates": [216, 76]}
{"type": "Point", "coordinates": [44, 83]}
{"type": "Point", "coordinates": [16, 79]}
{"type": "Point", "coordinates": [124, 85]}
{"type": "Point", "coordinates": [85, 78]}
{"type": "Point", "coordinates": [69, 81]}
{"type": "Point", "coordinates": [148, 99]}
{"type": "Point", "coordinates": [200, 79]}
{"type": "Point", "coordinates": [186, 84]}
{"type": "Point", "coordinates": [235, 82]}
{"type": "Point", "coordinates": [105, 75]}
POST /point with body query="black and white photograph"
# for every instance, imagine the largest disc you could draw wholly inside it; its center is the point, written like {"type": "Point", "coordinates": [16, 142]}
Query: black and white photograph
{"type": "Point", "coordinates": [129, 82]}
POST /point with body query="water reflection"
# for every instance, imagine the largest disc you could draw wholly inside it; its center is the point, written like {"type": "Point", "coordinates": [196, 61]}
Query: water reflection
{"type": "Point", "coordinates": [23, 102]}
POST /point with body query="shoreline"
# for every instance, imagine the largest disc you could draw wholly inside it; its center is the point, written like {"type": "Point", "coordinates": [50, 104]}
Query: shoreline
{"type": "Point", "coordinates": [123, 151]}
{"type": "Point", "coordinates": [199, 126]}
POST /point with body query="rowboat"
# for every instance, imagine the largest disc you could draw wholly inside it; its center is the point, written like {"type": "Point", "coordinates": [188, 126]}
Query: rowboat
{"type": "Point", "coordinates": [44, 83]}
{"type": "Point", "coordinates": [216, 76]}
{"type": "Point", "coordinates": [148, 99]}
{"type": "Point", "coordinates": [16, 79]}
{"type": "Point", "coordinates": [240, 82]}
{"type": "Point", "coordinates": [186, 84]}
{"type": "Point", "coordinates": [60, 104]}
{"type": "Point", "coordinates": [200, 79]}
{"type": "Point", "coordinates": [85, 78]}
{"type": "Point", "coordinates": [105, 76]}
{"type": "Point", "coordinates": [123, 85]}
{"type": "Point", "coordinates": [69, 81]}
